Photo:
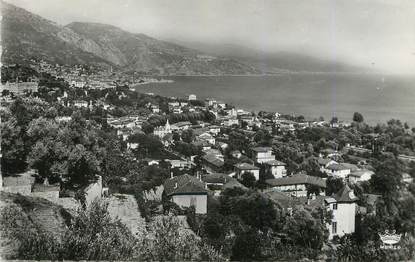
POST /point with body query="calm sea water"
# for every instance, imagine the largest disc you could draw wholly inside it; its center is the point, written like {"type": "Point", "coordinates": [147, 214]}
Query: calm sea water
{"type": "Point", "coordinates": [378, 98]}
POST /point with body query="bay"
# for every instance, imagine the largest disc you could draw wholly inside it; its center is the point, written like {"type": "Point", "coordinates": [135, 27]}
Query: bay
{"type": "Point", "coordinates": [378, 98]}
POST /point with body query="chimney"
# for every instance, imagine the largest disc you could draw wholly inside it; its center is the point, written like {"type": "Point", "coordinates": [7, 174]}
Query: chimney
{"type": "Point", "coordinates": [171, 174]}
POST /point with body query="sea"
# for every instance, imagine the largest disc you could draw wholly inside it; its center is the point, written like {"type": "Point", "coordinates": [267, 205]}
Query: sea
{"type": "Point", "coordinates": [378, 98]}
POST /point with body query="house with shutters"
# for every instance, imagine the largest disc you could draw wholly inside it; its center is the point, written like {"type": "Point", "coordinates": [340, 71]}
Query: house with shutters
{"type": "Point", "coordinates": [187, 191]}
{"type": "Point", "coordinates": [277, 168]}
{"type": "Point", "coordinates": [343, 206]}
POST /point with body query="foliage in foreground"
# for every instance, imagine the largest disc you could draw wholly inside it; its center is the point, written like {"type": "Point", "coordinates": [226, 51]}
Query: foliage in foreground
{"type": "Point", "coordinates": [94, 235]}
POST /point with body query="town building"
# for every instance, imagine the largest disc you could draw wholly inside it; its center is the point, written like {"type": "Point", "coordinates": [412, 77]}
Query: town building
{"type": "Point", "coordinates": [187, 191]}
{"type": "Point", "coordinates": [162, 131]}
{"type": "Point", "coordinates": [338, 170]}
{"type": "Point", "coordinates": [343, 206]}
{"type": "Point", "coordinates": [212, 163]}
{"type": "Point", "coordinates": [242, 168]}
{"type": "Point", "coordinates": [262, 154]}
{"type": "Point", "coordinates": [296, 185]}
{"type": "Point", "coordinates": [360, 175]}
{"type": "Point", "coordinates": [277, 168]}
{"type": "Point", "coordinates": [217, 182]}
{"type": "Point", "coordinates": [192, 97]}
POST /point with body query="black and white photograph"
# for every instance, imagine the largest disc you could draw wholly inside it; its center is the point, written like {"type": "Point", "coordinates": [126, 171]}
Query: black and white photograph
{"type": "Point", "coordinates": [207, 130]}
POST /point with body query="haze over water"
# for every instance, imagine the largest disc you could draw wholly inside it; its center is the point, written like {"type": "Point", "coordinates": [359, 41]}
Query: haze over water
{"type": "Point", "coordinates": [378, 98]}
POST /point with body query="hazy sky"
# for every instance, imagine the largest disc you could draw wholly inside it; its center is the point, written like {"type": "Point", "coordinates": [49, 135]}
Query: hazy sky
{"type": "Point", "coordinates": [379, 34]}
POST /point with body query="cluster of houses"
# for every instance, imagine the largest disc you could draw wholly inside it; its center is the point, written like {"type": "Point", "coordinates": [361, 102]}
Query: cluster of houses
{"type": "Point", "coordinates": [194, 191]}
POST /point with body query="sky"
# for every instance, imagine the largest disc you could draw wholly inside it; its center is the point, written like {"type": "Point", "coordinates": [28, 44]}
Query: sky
{"type": "Point", "coordinates": [378, 34]}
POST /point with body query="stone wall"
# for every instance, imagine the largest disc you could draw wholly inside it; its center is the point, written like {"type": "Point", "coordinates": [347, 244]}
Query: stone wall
{"type": "Point", "coordinates": [125, 208]}
{"type": "Point", "coordinates": [93, 191]}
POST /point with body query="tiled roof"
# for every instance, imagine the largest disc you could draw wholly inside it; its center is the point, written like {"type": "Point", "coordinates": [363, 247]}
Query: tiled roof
{"type": "Point", "coordinates": [212, 159]}
{"type": "Point", "coordinates": [345, 195]}
{"type": "Point", "coordinates": [262, 149]}
{"type": "Point", "coordinates": [359, 173]}
{"type": "Point", "coordinates": [338, 167]}
{"type": "Point", "coordinates": [297, 180]}
{"type": "Point", "coordinates": [323, 161]}
{"type": "Point", "coordinates": [184, 184]}
{"type": "Point", "coordinates": [352, 167]}
{"type": "Point", "coordinates": [233, 184]}
{"type": "Point", "coordinates": [219, 178]}
{"type": "Point", "coordinates": [246, 166]}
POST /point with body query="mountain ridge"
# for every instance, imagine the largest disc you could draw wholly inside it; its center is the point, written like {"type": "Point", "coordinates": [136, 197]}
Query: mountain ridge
{"type": "Point", "coordinates": [27, 35]}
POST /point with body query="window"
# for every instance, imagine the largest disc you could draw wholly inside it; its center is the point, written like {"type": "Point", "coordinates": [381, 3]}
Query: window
{"type": "Point", "coordinates": [334, 227]}
{"type": "Point", "coordinates": [335, 206]}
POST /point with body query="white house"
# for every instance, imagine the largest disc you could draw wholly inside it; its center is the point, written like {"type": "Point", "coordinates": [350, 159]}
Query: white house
{"type": "Point", "coordinates": [360, 175]}
{"type": "Point", "coordinates": [180, 164]}
{"type": "Point", "coordinates": [187, 191]}
{"type": "Point", "coordinates": [277, 168]}
{"type": "Point", "coordinates": [343, 206]}
{"type": "Point", "coordinates": [207, 137]}
{"type": "Point", "coordinates": [324, 163]}
{"type": "Point", "coordinates": [242, 168]}
{"type": "Point", "coordinates": [192, 97]}
{"type": "Point", "coordinates": [80, 103]}
{"type": "Point", "coordinates": [263, 154]}
{"type": "Point", "coordinates": [338, 170]}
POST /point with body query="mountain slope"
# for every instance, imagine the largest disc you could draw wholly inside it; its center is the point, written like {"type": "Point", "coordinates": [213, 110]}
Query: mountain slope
{"type": "Point", "coordinates": [26, 35]}
{"type": "Point", "coordinates": [273, 62]}
{"type": "Point", "coordinates": [142, 53]}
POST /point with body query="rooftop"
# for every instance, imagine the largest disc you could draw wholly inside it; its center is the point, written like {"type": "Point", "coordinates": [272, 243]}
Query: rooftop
{"type": "Point", "coordinates": [275, 163]}
{"type": "Point", "coordinates": [262, 149]}
{"type": "Point", "coordinates": [345, 195]}
{"type": "Point", "coordinates": [212, 159]}
{"type": "Point", "coordinates": [246, 166]}
{"type": "Point", "coordinates": [184, 185]}
{"type": "Point", "coordinates": [297, 179]}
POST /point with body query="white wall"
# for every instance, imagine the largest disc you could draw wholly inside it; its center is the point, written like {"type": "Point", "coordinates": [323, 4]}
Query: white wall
{"type": "Point", "coordinates": [200, 202]}
{"type": "Point", "coordinates": [345, 218]}
{"type": "Point", "coordinates": [278, 171]}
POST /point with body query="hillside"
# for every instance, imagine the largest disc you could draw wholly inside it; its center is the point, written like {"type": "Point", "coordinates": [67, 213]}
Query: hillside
{"type": "Point", "coordinates": [273, 62]}
{"type": "Point", "coordinates": [142, 53]}
{"type": "Point", "coordinates": [26, 35]}
{"type": "Point", "coordinates": [29, 214]}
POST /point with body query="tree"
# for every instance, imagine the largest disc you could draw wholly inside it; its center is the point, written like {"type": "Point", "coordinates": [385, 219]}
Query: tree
{"type": "Point", "coordinates": [167, 240]}
{"type": "Point", "coordinates": [305, 230]}
{"type": "Point", "coordinates": [358, 117]}
{"type": "Point", "coordinates": [247, 246]}
{"type": "Point", "coordinates": [94, 235]}
{"type": "Point", "coordinates": [13, 148]}
{"type": "Point", "coordinates": [334, 184]}
{"type": "Point", "coordinates": [248, 179]}
{"type": "Point", "coordinates": [255, 210]}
